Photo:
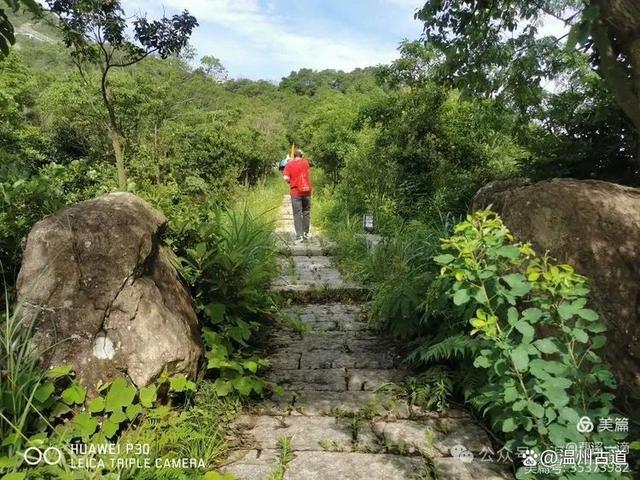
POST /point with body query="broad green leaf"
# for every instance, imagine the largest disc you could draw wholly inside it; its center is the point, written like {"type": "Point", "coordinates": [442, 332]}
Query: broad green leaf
{"type": "Point", "coordinates": [444, 259]}
{"type": "Point", "coordinates": [178, 383]}
{"type": "Point", "coordinates": [60, 371]}
{"type": "Point", "coordinates": [461, 297]}
{"type": "Point", "coordinates": [508, 251]}
{"type": "Point", "coordinates": [524, 328]}
{"type": "Point", "coordinates": [558, 382]}
{"type": "Point", "coordinates": [569, 415]}
{"type": "Point", "coordinates": [588, 314]}
{"type": "Point", "coordinates": [44, 392]}
{"type": "Point", "coordinates": [74, 394]}
{"type": "Point", "coordinates": [9, 462]}
{"type": "Point", "coordinates": [84, 425]}
{"type": "Point", "coordinates": [557, 396]}
{"type": "Point", "coordinates": [148, 395]}
{"type": "Point", "coordinates": [96, 405]}
{"type": "Point", "coordinates": [15, 476]}
{"type": "Point", "coordinates": [251, 366]}
{"type": "Point", "coordinates": [546, 345]}
{"type": "Point", "coordinates": [243, 385]}
{"type": "Point", "coordinates": [519, 405]}
{"type": "Point", "coordinates": [598, 327]}
{"type": "Point", "coordinates": [550, 413]}
{"type": "Point", "coordinates": [518, 284]}
{"type": "Point", "coordinates": [510, 394]}
{"type": "Point", "coordinates": [109, 428]}
{"type": "Point", "coordinates": [222, 387]}
{"type": "Point", "coordinates": [558, 433]}
{"type": "Point", "coordinates": [566, 310]}
{"type": "Point", "coordinates": [60, 408]}
{"type": "Point", "coordinates": [120, 395]}
{"type": "Point", "coordinates": [598, 341]}
{"type": "Point", "coordinates": [215, 312]}
{"type": "Point", "coordinates": [536, 409]}
{"type": "Point", "coordinates": [554, 367]}
{"type": "Point", "coordinates": [508, 425]}
{"type": "Point", "coordinates": [520, 358]}
{"type": "Point", "coordinates": [118, 416]}
{"type": "Point", "coordinates": [533, 276]}
{"type": "Point", "coordinates": [580, 335]}
{"type": "Point", "coordinates": [481, 362]}
{"type": "Point", "coordinates": [532, 314]}
{"type": "Point", "coordinates": [133, 411]}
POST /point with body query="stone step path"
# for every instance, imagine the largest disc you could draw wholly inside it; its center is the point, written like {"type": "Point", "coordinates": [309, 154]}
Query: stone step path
{"type": "Point", "coordinates": [335, 420]}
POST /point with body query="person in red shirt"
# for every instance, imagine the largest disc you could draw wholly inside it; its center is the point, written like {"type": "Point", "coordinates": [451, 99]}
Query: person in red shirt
{"type": "Point", "coordinates": [297, 174]}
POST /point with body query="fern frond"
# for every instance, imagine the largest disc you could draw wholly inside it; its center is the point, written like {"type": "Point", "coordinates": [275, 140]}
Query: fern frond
{"type": "Point", "coordinates": [459, 346]}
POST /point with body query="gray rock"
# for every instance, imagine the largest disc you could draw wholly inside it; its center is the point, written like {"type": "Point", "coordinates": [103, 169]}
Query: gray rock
{"type": "Point", "coordinates": [332, 379]}
{"type": "Point", "coordinates": [365, 379]}
{"type": "Point", "coordinates": [251, 464]}
{"type": "Point", "coordinates": [432, 437]}
{"type": "Point", "coordinates": [593, 226]}
{"type": "Point", "coordinates": [352, 466]}
{"type": "Point", "coordinates": [306, 433]}
{"type": "Point", "coordinates": [105, 293]}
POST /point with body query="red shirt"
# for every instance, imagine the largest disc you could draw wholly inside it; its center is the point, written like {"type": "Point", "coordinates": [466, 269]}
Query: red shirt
{"type": "Point", "coordinates": [299, 178]}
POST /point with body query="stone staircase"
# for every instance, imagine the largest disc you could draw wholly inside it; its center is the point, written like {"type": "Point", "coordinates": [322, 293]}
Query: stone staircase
{"type": "Point", "coordinates": [333, 420]}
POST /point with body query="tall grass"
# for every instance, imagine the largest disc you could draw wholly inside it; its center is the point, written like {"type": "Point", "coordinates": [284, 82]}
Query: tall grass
{"type": "Point", "coordinates": [20, 375]}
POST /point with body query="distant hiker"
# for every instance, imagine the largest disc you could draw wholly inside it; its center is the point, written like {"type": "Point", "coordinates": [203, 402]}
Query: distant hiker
{"type": "Point", "coordinates": [283, 163]}
{"type": "Point", "coordinates": [297, 174]}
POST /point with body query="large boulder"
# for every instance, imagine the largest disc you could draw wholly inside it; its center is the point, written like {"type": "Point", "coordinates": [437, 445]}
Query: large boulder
{"type": "Point", "coordinates": [107, 297]}
{"type": "Point", "coordinates": [594, 226]}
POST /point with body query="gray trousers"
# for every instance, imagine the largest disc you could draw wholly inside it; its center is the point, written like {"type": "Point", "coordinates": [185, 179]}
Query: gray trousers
{"type": "Point", "coordinates": [301, 214]}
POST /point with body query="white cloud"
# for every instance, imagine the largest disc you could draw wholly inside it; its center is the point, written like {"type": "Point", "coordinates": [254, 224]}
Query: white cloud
{"type": "Point", "coordinates": [256, 32]}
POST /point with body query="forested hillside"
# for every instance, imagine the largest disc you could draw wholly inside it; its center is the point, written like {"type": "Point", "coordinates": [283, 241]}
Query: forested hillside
{"type": "Point", "coordinates": [190, 133]}
{"type": "Point", "coordinates": [408, 143]}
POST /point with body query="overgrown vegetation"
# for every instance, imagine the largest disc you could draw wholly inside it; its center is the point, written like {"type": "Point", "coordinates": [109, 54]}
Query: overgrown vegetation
{"type": "Point", "coordinates": [486, 320]}
{"type": "Point", "coordinates": [536, 338]}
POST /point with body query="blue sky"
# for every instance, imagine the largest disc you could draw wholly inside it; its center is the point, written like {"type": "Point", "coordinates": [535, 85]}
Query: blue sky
{"type": "Point", "coordinates": [269, 38]}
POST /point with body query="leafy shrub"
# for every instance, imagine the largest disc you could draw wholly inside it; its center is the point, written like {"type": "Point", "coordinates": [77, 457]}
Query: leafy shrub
{"type": "Point", "coordinates": [20, 378]}
{"type": "Point", "coordinates": [230, 269]}
{"type": "Point", "coordinates": [23, 201]}
{"type": "Point", "coordinates": [430, 389]}
{"type": "Point", "coordinates": [537, 338]}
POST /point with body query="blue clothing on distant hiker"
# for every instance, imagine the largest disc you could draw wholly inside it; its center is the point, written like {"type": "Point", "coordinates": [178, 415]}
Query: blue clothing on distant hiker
{"type": "Point", "coordinates": [283, 163]}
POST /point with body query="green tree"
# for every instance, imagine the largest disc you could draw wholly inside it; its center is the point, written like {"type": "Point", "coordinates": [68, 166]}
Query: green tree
{"type": "Point", "coordinates": [95, 31]}
{"type": "Point", "coordinates": [495, 47]}
{"type": "Point", "coordinates": [328, 130]}
{"type": "Point", "coordinates": [214, 68]}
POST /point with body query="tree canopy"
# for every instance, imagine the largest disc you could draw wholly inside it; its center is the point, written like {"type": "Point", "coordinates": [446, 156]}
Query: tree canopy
{"type": "Point", "coordinates": [498, 47]}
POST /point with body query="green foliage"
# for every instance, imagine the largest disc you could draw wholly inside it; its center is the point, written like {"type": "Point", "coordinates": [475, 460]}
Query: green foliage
{"type": "Point", "coordinates": [21, 379]}
{"type": "Point", "coordinates": [285, 455]}
{"type": "Point", "coordinates": [538, 339]}
{"type": "Point", "coordinates": [327, 131]}
{"type": "Point", "coordinates": [497, 49]}
{"type": "Point", "coordinates": [430, 389]}
{"type": "Point", "coordinates": [230, 268]}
